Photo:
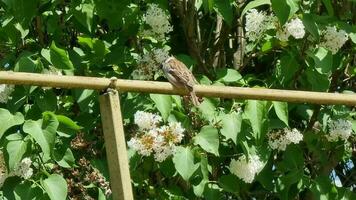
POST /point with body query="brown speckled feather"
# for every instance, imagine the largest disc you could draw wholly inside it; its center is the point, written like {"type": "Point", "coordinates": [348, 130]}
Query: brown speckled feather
{"type": "Point", "coordinates": [180, 76]}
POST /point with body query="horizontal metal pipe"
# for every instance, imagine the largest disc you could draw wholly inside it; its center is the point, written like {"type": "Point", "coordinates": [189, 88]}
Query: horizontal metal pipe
{"type": "Point", "coordinates": [20, 78]}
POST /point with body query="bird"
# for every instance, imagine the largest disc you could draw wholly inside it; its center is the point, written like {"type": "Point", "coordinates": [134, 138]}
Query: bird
{"type": "Point", "coordinates": [180, 76]}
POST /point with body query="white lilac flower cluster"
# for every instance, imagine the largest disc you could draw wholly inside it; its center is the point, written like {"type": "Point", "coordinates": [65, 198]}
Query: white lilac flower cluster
{"type": "Point", "coordinates": [293, 28]}
{"type": "Point", "coordinates": [5, 92]}
{"type": "Point", "coordinates": [333, 39]}
{"type": "Point", "coordinates": [339, 129]}
{"type": "Point", "coordinates": [246, 169]}
{"type": "Point", "coordinates": [23, 169]}
{"type": "Point", "coordinates": [280, 139]}
{"type": "Point", "coordinates": [256, 24]}
{"type": "Point", "coordinates": [153, 138]}
{"type": "Point", "coordinates": [148, 64]}
{"type": "Point", "coordinates": [158, 21]}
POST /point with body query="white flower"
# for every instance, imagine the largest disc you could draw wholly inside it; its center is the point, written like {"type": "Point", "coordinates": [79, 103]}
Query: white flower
{"type": "Point", "coordinates": [143, 145]}
{"type": "Point", "coordinates": [159, 140]}
{"type": "Point", "coordinates": [164, 152]}
{"type": "Point", "coordinates": [280, 139]}
{"type": "Point", "coordinates": [296, 28]}
{"type": "Point", "coordinates": [246, 169]}
{"type": "Point", "coordinates": [158, 21]}
{"type": "Point", "coordinates": [256, 24]}
{"type": "Point", "coordinates": [146, 121]}
{"type": "Point", "coordinates": [160, 55]}
{"type": "Point", "coordinates": [23, 169]}
{"type": "Point", "coordinates": [339, 129]}
{"type": "Point", "coordinates": [166, 138]}
{"type": "Point", "coordinates": [5, 92]}
{"type": "Point", "coordinates": [293, 136]}
{"type": "Point", "coordinates": [177, 131]}
{"type": "Point", "coordinates": [148, 64]}
{"type": "Point", "coordinates": [283, 35]}
{"type": "Point", "coordinates": [333, 40]}
{"type": "Point", "coordinates": [134, 143]}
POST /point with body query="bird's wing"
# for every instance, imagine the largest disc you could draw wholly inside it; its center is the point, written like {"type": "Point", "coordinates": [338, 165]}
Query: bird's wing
{"type": "Point", "coordinates": [182, 74]}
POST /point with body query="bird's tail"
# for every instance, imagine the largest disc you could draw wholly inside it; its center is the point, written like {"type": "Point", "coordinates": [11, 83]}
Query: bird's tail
{"type": "Point", "coordinates": [194, 98]}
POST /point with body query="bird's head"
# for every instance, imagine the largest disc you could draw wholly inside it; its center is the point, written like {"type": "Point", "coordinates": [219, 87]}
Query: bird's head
{"type": "Point", "coordinates": [165, 64]}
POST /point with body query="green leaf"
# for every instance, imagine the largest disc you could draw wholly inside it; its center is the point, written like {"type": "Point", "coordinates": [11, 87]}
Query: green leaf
{"type": "Point", "coordinates": [67, 160]}
{"type": "Point", "coordinates": [293, 158]}
{"type": "Point", "coordinates": [112, 11]}
{"type": "Point", "coordinates": [286, 69]}
{"type": "Point", "coordinates": [286, 182]}
{"type": "Point", "coordinates": [183, 160]}
{"type": "Point", "coordinates": [318, 82]}
{"type": "Point", "coordinates": [58, 57]}
{"type": "Point", "coordinates": [17, 99]}
{"type": "Point", "coordinates": [85, 98]}
{"type": "Point", "coordinates": [254, 4]}
{"type": "Point", "coordinates": [281, 109]}
{"type": "Point", "coordinates": [310, 25]}
{"type": "Point", "coordinates": [225, 9]}
{"type": "Point", "coordinates": [199, 189]}
{"type": "Point", "coordinates": [97, 47]}
{"type": "Point", "coordinates": [101, 195]}
{"type": "Point", "coordinates": [68, 122]}
{"type": "Point", "coordinates": [84, 14]}
{"type": "Point", "coordinates": [56, 187]}
{"type": "Point", "coordinates": [323, 189]}
{"type": "Point", "coordinates": [204, 169]}
{"type": "Point", "coordinates": [208, 5]}
{"type": "Point", "coordinates": [46, 100]}
{"type": "Point", "coordinates": [284, 9]}
{"type": "Point", "coordinates": [198, 4]}
{"type": "Point", "coordinates": [329, 7]}
{"type": "Point", "coordinates": [8, 120]}
{"type": "Point", "coordinates": [231, 125]}
{"type": "Point", "coordinates": [207, 109]}
{"type": "Point", "coordinates": [27, 190]}
{"type": "Point", "coordinates": [208, 139]}
{"type": "Point", "coordinates": [353, 38]}
{"type": "Point", "coordinates": [229, 183]}
{"type": "Point", "coordinates": [23, 32]}
{"type": "Point", "coordinates": [15, 148]}
{"type": "Point", "coordinates": [256, 113]}
{"type": "Point", "coordinates": [228, 75]}
{"type": "Point", "coordinates": [212, 192]}
{"type": "Point", "coordinates": [43, 132]}
{"type": "Point", "coordinates": [66, 126]}
{"type": "Point", "coordinates": [27, 64]}
{"type": "Point", "coordinates": [163, 103]}
{"type": "Point", "coordinates": [268, 45]}
{"type": "Point", "coordinates": [323, 60]}
{"type": "Point", "coordinates": [22, 10]}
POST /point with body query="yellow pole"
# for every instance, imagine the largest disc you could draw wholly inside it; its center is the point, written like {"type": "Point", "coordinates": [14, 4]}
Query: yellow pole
{"type": "Point", "coordinates": [20, 78]}
{"type": "Point", "coordinates": [115, 145]}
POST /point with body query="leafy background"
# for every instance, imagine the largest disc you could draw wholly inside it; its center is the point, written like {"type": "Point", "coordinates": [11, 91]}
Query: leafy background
{"type": "Point", "coordinates": [60, 129]}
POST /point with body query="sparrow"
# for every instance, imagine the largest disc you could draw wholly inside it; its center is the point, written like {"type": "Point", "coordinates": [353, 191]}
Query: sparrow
{"type": "Point", "coordinates": [179, 75]}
